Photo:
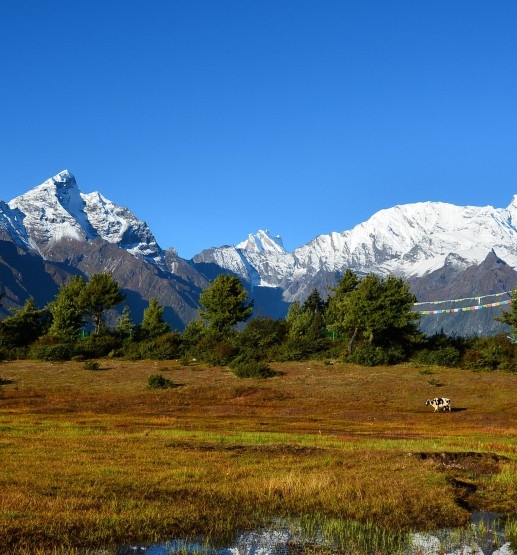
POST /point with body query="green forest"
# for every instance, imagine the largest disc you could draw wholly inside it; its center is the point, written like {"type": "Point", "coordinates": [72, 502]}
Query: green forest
{"type": "Point", "coordinates": [366, 320]}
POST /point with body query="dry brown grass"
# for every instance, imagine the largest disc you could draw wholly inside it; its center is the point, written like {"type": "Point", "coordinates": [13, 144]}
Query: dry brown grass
{"type": "Point", "coordinates": [95, 457]}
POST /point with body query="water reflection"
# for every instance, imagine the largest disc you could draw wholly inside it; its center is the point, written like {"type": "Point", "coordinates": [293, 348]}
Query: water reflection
{"type": "Point", "coordinates": [484, 537]}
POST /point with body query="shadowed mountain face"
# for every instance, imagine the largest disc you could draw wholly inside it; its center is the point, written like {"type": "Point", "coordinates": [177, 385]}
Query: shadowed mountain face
{"type": "Point", "coordinates": [445, 252]}
{"type": "Point", "coordinates": [493, 275]}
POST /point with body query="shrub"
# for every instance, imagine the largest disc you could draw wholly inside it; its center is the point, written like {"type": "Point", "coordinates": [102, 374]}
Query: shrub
{"type": "Point", "coordinates": [262, 337]}
{"type": "Point", "coordinates": [158, 381]}
{"type": "Point", "coordinates": [164, 347]}
{"type": "Point", "coordinates": [14, 353]}
{"type": "Point", "coordinates": [52, 353]}
{"type": "Point", "coordinates": [295, 349]}
{"type": "Point", "coordinates": [168, 346]}
{"type": "Point", "coordinates": [369, 355]}
{"type": "Point", "coordinates": [444, 356]}
{"type": "Point", "coordinates": [250, 368]}
{"type": "Point", "coordinates": [140, 350]}
{"type": "Point", "coordinates": [395, 354]}
{"type": "Point", "coordinates": [213, 350]}
{"type": "Point", "coordinates": [96, 346]}
{"type": "Point", "coordinates": [91, 365]}
{"type": "Point", "coordinates": [490, 353]}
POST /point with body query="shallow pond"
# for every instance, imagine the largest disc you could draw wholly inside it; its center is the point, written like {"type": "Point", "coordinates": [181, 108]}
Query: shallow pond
{"type": "Point", "coordinates": [485, 536]}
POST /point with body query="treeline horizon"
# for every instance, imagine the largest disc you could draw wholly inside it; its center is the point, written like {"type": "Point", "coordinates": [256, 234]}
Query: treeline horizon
{"type": "Point", "coordinates": [366, 320]}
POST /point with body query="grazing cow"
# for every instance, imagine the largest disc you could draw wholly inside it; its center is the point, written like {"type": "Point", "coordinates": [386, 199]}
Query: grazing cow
{"type": "Point", "coordinates": [439, 403]}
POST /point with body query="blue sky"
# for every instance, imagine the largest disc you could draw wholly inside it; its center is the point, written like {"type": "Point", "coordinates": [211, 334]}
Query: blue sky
{"type": "Point", "coordinates": [211, 119]}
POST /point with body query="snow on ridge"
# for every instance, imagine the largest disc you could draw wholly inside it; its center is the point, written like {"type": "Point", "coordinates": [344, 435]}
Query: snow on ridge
{"type": "Point", "coordinates": [11, 222]}
{"type": "Point", "coordinates": [57, 210]}
{"type": "Point", "coordinates": [414, 239]}
{"type": "Point", "coordinates": [103, 217]}
{"type": "Point", "coordinates": [262, 241]}
{"type": "Point", "coordinates": [407, 240]}
{"type": "Point", "coordinates": [51, 211]}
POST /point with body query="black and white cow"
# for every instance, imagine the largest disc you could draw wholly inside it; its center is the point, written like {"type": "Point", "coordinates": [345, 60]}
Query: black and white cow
{"type": "Point", "coordinates": [439, 403]}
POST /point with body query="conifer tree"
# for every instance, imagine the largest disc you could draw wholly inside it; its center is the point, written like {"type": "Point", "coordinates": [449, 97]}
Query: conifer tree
{"type": "Point", "coordinates": [153, 324]}
{"type": "Point", "coordinates": [375, 310]}
{"type": "Point", "coordinates": [100, 294]}
{"type": "Point", "coordinates": [336, 307]}
{"type": "Point", "coordinates": [125, 326]}
{"type": "Point", "coordinates": [315, 303]}
{"type": "Point", "coordinates": [225, 303]}
{"type": "Point", "coordinates": [298, 320]}
{"type": "Point", "coordinates": [67, 315]}
{"type": "Point", "coordinates": [379, 310]}
{"type": "Point", "coordinates": [23, 327]}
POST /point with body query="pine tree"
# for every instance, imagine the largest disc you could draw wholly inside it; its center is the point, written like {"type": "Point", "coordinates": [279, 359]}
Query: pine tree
{"type": "Point", "coordinates": [336, 307]}
{"type": "Point", "coordinates": [374, 310]}
{"type": "Point", "coordinates": [380, 311]}
{"type": "Point", "coordinates": [23, 327]}
{"type": "Point", "coordinates": [153, 324]}
{"type": "Point", "coordinates": [125, 326]}
{"type": "Point", "coordinates": [298, 320]}
{"type": "Point", "coordinates": [100, 294]}
{"type": "Point", "coordinates": [67, 315]}
{"type": "Point", "coordinates": [225, 303]}
{"type": "Point", "coordinates": [314, 303]}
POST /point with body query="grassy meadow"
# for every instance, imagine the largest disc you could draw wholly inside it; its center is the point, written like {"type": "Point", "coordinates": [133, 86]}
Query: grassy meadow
{"type": "Point", "coordinates": [96, 459]}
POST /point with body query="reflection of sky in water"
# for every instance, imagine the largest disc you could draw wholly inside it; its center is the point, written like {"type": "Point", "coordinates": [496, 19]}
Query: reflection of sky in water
{"type": "Point", "coordinates": [279, 542]}
{"type": "Point", "coordinates": [428, 544]}
{"type": "Point", "coordinates": [253, 543]}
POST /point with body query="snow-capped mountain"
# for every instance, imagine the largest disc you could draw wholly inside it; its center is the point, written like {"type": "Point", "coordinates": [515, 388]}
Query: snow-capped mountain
{"type": "Point", "coordinates": [54, 231]}
{"type": "Point", "coordinates": [57, 210]}
{"type": "Point", "coordinates": [410, 241]}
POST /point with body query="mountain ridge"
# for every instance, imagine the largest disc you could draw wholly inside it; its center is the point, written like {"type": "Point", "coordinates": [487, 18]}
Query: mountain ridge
{"type": "Point", "coordinates": [74, 232]}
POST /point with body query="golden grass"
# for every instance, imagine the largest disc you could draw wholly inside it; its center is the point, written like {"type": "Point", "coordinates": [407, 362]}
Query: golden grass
{"type": "Point", "coordinates": [95, 458]}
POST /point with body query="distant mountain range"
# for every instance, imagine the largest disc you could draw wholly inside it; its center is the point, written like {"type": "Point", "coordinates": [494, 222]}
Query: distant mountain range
{"type": "Point", "coordinates": [445, 252]}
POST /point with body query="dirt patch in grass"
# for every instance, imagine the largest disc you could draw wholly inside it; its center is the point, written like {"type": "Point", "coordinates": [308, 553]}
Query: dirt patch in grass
{"type": "Point", "coordinates": [277, 449]}
{"type": "Point", "coordinates": [472, 462]}
{"type": "Point", "coordinates": [465, 472]}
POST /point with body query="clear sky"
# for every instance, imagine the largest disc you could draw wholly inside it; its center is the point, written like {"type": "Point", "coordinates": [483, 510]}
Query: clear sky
{"type": "Point", "coordinates": [211, 119]}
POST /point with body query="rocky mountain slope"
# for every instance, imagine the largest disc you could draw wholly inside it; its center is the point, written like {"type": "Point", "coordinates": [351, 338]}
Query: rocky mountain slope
{"type": "Point", "coordinates": [444, 251]}
{"type": "Point", "coordinates": [54, 231]}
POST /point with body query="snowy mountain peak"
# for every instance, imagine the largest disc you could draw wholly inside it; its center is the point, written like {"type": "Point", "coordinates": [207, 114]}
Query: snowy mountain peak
{"type": "Point", "coordinates": [409, 240]}
{"type": "Point", "coordinates": [64, 186]}
{"type": "Point", "coordinates": [64, 177]}
{"type": "Point", "coordinates": [53, 211]}
{"type": "Point", "coordinates": [262, 241]}
{"type": "Point", "coordinates": [57, 210]}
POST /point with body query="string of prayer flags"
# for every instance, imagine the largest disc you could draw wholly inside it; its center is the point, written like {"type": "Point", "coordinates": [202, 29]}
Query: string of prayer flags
{"type": "Point", "coordinates": [465, 308]}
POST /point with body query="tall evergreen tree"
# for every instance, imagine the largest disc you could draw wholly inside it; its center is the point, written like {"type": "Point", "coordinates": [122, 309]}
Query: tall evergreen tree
{"type": "Point", "coordinates": [225, 303]}
{"type": "Point", "coordinates": [153, 324]}
{"type": "Point", "coordinates": [298, 320]}
{"type": "Point", "coordinates": [316, 307]}
{"type": "Point", "coordinates": [67, 315]}
{"type": "Point", "coordinates": [336, 306]}
{"type": "Point", "coordinates": [100, 294]}
{"type": "Point", "coordinates": [314, 303]}
{"type": "Point", "coordinates": [379, 311]}
{"type": "Point", "coordinates": [125, 325]}
{"type": "Point", "coordinates": [307, 320]}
